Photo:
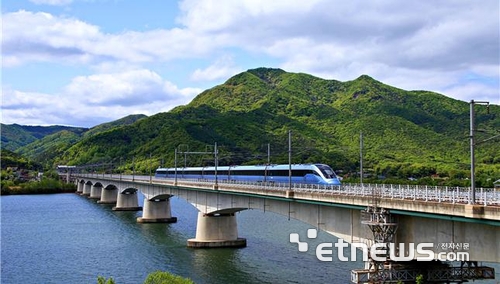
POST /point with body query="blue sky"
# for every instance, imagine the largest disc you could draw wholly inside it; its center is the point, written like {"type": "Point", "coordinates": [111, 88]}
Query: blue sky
{"type": "Point", "coordinates": [86, 62]}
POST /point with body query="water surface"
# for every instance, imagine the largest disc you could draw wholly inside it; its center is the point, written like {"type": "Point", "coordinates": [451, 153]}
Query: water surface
{"type": "Point", "coordinates": [67, 238]}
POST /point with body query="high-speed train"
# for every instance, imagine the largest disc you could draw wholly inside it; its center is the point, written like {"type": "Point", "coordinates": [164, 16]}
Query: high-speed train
{"type": "Point", "coordinates": [301, 173]}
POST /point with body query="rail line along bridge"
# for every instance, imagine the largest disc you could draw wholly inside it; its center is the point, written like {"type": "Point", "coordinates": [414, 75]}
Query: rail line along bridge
{"type": "Point", "coordinates": [356, 213]}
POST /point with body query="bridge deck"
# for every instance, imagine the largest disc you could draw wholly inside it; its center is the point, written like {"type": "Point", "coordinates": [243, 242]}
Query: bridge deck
{"type": "Point", "coordinates": [402, 199]}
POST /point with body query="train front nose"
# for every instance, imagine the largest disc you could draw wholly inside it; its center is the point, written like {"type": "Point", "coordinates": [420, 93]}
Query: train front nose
{"type": "Point", "coordinates": [334, 181]}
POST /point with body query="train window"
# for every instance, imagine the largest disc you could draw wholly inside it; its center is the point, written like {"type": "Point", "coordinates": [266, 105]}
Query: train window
{"type": "Point", "coordinates": [285, 173]}
{"type": "Point", "coordinates": [326, 171]}
{"type": "Point", "coordinates": [161, 172]}
{"type": "Point", "coordinates": [248, 173]}
{"type": "Point", "coordinates": [280, 173]}
{"type": "Point", "coordinates": [301, 173]}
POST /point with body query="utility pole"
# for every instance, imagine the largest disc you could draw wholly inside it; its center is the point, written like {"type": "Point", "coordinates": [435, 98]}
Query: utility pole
{"type": "Point", "coordinates": [268, 153]}
{"type": "Point", "coordinates": [120, 167]}
{"type": "Point", "coordinates": [150, 176]}
{"type": "Point", "coordinates": [361, 157]}
{"type": "Point", "coordinates": [472, 199]}
{"type": "Point", "coordinates": [216, 158]}
{"type": "Point", "coordinates": [216, 153]}
{"type": "Point", "coordinates": [175, 162]}
{"type": "Point", "coordinates": [133, 168]}
{"type": "Point", "coordinates": [290, 159]}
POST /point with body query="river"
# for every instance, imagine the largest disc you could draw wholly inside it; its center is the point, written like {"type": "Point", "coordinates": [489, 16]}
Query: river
{"type": "Point", "coordinates": [67, 238]}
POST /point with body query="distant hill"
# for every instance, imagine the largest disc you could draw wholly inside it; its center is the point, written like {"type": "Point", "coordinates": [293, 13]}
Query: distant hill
{"type": "Point", "coordinates": [44, 144]}
{"type": "Point", "coordinates": [406, 133]}
{"type": "Point", "coordinates": [50, 147]}
{"type": "Point", "coordinates": [15, 136]}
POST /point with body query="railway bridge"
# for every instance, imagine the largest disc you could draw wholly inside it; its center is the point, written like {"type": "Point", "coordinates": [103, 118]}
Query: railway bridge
{"type": "Point", "coordinates": [355, 213]}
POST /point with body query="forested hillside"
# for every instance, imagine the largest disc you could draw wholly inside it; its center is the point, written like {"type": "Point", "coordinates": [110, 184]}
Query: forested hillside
{"type": "Point", "coordinates": [15, 136]}
{"type": "Point", "coordinates": [44, 144]}
{"type": "Point", "coordinates": [129, 119]}
{"type": "Point", "coordinates": [406, 133]}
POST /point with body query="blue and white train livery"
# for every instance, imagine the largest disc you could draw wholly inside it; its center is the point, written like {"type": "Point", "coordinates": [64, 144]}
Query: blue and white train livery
{"type": "Point", "coordinates": [303, 173]}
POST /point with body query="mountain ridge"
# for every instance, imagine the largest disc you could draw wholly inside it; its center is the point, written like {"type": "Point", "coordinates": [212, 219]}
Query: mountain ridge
{"type": "Point", "coordinates": [406, 132]}
{"type": "Point", "coordinates": [15, 135]}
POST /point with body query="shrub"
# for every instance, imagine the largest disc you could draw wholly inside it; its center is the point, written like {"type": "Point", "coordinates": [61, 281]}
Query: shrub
{"type": "Point", "coordinates": [103, 280]}
{"type": "Point", "coordinates": [161, 277]}
{"type": "Point", "coordinates": [157, 277]}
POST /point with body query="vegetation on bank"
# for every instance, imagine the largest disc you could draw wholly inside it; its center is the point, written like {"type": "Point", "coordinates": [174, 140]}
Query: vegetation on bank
{"type": "Point", "coordinates": [19, 176]}
{"type": "Point", "coordinates": [157, 277]}
{"type": "Point", "coordinates": [10, 159]}
{"type": "Point", "coordinates": [44, 186]}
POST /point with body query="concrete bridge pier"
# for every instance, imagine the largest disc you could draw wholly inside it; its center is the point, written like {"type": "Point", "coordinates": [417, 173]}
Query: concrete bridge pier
{"type": "Point", "coordinates": [216, 230]}
{"type": "Point", "coordinates": [86, 189]}
{"type": "Point", "coordinates": [79, 187]}
{"type": "Point", "coordinates": [95, 191]}
{"type": "Point", "coordinates": [127, 201]}
{"type": "Point", "coordinates": [108, 195]}
{"type": "Point", "coordinates": [157, 211]}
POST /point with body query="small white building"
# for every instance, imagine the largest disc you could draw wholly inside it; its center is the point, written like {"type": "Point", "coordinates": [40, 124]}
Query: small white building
{"type": "Point", "coordinates": [496, 184]}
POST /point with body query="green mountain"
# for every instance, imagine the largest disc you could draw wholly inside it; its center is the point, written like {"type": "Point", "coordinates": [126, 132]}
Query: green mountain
{"type": "Point", "coordinates": [46, 149]}
{"type": "Point", "coordinates": [406, 133]}
{"type": "Point", "coordinates": [11, 159]}
{"type": "Point", "coordinates": [15, 136]}
{"type": "Point", "coordinates": [43, 144]}
{"type": "Point", "coordinates": [50, 143]}
{"type": "Point", "coordinates": [129, 119]}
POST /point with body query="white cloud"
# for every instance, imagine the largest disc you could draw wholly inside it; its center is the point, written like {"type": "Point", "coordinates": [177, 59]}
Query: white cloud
{"type": "Point", "coordinates": [312, 35]}
{"type": "Point", "coordinates": [221, 16]}
{"type": "Point", "coordinates": [52, 2]}
{"type": "Point", "coordinates": [475, 91]}
{"type": "Point", "coordinates": [222, 68]}
{"type": "Point", "coordinates": [128, 88]}
{"type": "Point", "coordinates": [32, 108]}
{"type": "Point", "coordinates": [29, 36]}
{"type": "Point", "coordinates": [427, 45]}
{"type": "Point", "coordinates": [90, 100]}
{"type": "Point", "coordinates": [411, 34]}
{"type": "Point", "coordinates": [40, 36]}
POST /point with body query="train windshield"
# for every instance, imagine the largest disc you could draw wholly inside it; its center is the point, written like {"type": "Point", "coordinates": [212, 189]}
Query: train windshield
{"type": "Point", "coordinates": [327, 171]}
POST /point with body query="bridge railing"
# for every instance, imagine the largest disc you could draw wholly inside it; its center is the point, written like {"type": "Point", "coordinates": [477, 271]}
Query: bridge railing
{"type": "Point", "coordinates": [485, 196]}
{"type": "Point", "coordinates": [440, 194]}
{"type": "Point", "coordinates": [444, 194]}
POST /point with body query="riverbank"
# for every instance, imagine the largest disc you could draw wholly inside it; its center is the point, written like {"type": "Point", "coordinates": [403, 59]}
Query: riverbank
{"type": "Point", "coordinates": [45, 186]}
